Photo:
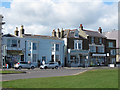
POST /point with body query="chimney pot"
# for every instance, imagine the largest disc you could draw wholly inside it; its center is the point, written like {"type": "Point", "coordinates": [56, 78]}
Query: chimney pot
{"type": "Point", "coordinates": [100, 30]}
{"type": "Point", "coordinates": [16, 32]}
{"type": "Point", "coordinates": [81, 27]}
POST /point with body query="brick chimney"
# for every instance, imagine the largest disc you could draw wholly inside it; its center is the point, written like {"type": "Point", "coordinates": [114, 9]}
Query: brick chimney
{"type": "Point", "coordinates": [58, 33]}
{"type": "Point", "coordinates": [100, 30]}
{"type": "Point", "coordinates": [54, 33]}
{"type": "Point", "coordinates": [16, 32]}
{"type": "Point", "coordinates": [81, 27]}
{"type": "Point", "coordinates": [22, 31]}
{"type": "Point", "coordinates": [62, 33]}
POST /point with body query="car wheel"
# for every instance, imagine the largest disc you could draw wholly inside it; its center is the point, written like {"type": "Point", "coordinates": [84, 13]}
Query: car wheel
{"type": "Point", "coordinates": [45, 67]}
{"type": "Point", "coordinates": [32, 67]}
{"type": "Point", "coordinates": [56, 67]}
{"type": "Point", "coordinates": [16, 68]}
{"type": "Point", "coordinates": [19, 68]}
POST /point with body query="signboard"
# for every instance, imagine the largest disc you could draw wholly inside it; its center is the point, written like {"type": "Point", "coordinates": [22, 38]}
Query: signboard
{"type": "Point", "coordinates": [98, 54]}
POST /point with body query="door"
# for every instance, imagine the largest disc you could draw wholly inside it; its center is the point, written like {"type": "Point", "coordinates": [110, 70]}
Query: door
{"type": "Point", "coordinates": [52, 58]}
{"type": "Point", "coordinates": [22, 57]}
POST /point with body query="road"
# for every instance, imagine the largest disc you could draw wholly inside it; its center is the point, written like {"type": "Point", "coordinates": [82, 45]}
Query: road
{"type": "Point", "coordinates": [37, 73]}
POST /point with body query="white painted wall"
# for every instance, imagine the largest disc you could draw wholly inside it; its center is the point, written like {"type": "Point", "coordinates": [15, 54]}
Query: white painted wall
{"type": "Point", "coordinates": [45, 49]}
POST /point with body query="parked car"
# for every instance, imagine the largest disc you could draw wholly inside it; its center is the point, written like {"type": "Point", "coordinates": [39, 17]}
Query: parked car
{"type": "Point", "coordinates": [50, 65]}
{"type": "Point", "coordinates": [20, 65]}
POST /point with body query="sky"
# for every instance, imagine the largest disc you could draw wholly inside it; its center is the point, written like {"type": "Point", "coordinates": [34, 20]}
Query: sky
{"type": "Point", "coordinates": [42, 16]}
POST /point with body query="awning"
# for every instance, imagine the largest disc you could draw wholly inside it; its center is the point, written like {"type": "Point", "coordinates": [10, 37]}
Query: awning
{"type": "Point", "coordinates": [74, 52]}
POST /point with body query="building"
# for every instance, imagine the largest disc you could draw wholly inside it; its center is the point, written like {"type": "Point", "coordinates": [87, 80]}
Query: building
{"type": "Point", "coordinates": [111, 51]}
{"type": "Point", "coordinates": [114, 34]}
{"type": "Point", "coordinates": [33, 48]}
{"type": "Point", "coordinates": [76, 54]}
{"type": "Point", "coordinates": [86, 47]}
{"type": "Point", "coordinates": [1, 23]}
{"type": "Point", "coordinates": [99, 47]}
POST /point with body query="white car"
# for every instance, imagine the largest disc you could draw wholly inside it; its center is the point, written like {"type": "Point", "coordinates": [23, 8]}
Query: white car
{"type": "Point", "coordinates": [26, 65]}
{"type": "Point", "coordinates": [50, 65]}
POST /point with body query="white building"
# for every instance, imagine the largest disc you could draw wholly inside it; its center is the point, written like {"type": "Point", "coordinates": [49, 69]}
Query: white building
{"type": "Point", "coordinates": [32, 48]}
{"type": "Point", "coordinates": [45, 48]}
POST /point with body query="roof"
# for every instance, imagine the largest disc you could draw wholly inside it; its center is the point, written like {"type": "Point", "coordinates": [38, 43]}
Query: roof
{"type": "Point", "coordinates": [41, 36]}
{"type": "Point", "coordinates": [94, 33]}
{"type": "Point", "coordinates": [69, 32]}
{"type": "Point", "coordinates": [8, 35]}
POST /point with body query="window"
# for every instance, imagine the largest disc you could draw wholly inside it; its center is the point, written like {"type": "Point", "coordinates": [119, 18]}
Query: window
{"type": "Point", "coordinates": [34, 57]}
{"type": "Point", "coordinates": [110, 44]}
{"type": "Point", "coordinates": [113, 52]}
{"type": "Point", "coordinates": [92, 48]}
{"type": "Point", "coordinates": [29, 45]}
{"type": "Point", "coordinates": [101, 49]}
{"type": "Point", "coordinates": [8, 42]}
{"type": "Point", "coordinates": [100, 40]}
{"type": "Point", "coordinates": [34, 46]}
{"type": "Point", "coordinates": [57, 47]}
{"type": "Point", "coordinates": [76, 35]}
{"type": "Point", "coordinates": [52, 47]}
{"type": "Point", "coordinates": [77, 44]}
{"type": "Point", "coordinates": [92, 39]}
{"type": "Point", "coordinates": [57, 58]}
{"type": "Point", "coordinates": [14, 43]}
{"type": "Point", "coordinates": [18, 43]}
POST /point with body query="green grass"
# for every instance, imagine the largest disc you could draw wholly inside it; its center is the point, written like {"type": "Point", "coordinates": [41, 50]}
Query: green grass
{"type": "Point", "coordinates": [107, 78]}
{"type": "Point", "coordinates": [9, 71]}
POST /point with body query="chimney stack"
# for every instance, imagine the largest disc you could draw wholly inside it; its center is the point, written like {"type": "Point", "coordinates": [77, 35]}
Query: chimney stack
{"type": "Point", "coordinates": [16, 32]}
{"type": "Point", "coordinates": [22, 31]}
{"type": "Point", "coordinates": [58, 33]}
{"type": "Point", "coordinates": [62, 33]}
{"type": "Point", "coordinates": [81, 27]}
{"type": "Point", "coordinates": [54, 33]}
{"type": "Point", "coordinates": [100, 30]}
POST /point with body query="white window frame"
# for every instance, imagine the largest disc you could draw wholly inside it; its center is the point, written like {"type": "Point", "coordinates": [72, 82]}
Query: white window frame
{"type": "Point", "coordinates": [77, 42]}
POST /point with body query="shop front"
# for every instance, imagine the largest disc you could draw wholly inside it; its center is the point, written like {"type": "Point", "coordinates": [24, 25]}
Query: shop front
{"type": "Point", "coordinates": [77, 58]}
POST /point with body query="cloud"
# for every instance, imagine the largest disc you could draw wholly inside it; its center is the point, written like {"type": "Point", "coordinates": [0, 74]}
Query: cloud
{"type": "Point", "coordinates": [44, 15]}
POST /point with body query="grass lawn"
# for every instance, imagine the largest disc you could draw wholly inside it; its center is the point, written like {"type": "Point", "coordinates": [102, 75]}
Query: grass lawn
{"type": "Point", "coordinates": [9, 71]}
{"type": "Point", "coordinates": [107, 78]}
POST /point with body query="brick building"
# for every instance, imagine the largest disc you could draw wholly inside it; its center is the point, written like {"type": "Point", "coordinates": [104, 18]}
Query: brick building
{"type": "Point", "coordinates": [90, 48]}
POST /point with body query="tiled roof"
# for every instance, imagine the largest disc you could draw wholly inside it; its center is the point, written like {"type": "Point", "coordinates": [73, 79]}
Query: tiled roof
{"type": "Point", "coordinates": [41, 36]}
{"type": "Point", "coordinates": [94, 33]}
{"type": "Point", "coordinates": [8, 35]}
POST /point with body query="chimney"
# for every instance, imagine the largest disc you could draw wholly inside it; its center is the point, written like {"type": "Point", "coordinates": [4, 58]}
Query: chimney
{"type": "Point", "coordinates": [100, 30]}
{"type": "Point", "coordinates": [81, 27]}
{"type": "Point", "coordinates": [62, 33]}
{"type": "Point", "coordinates": [58, 33]}
{"type": "Point", "coordinates": [22, 31]}
{"type": "Point", "coordinates": [16, 32]}
{"type": "Point", "coordinates": [54, 33]}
